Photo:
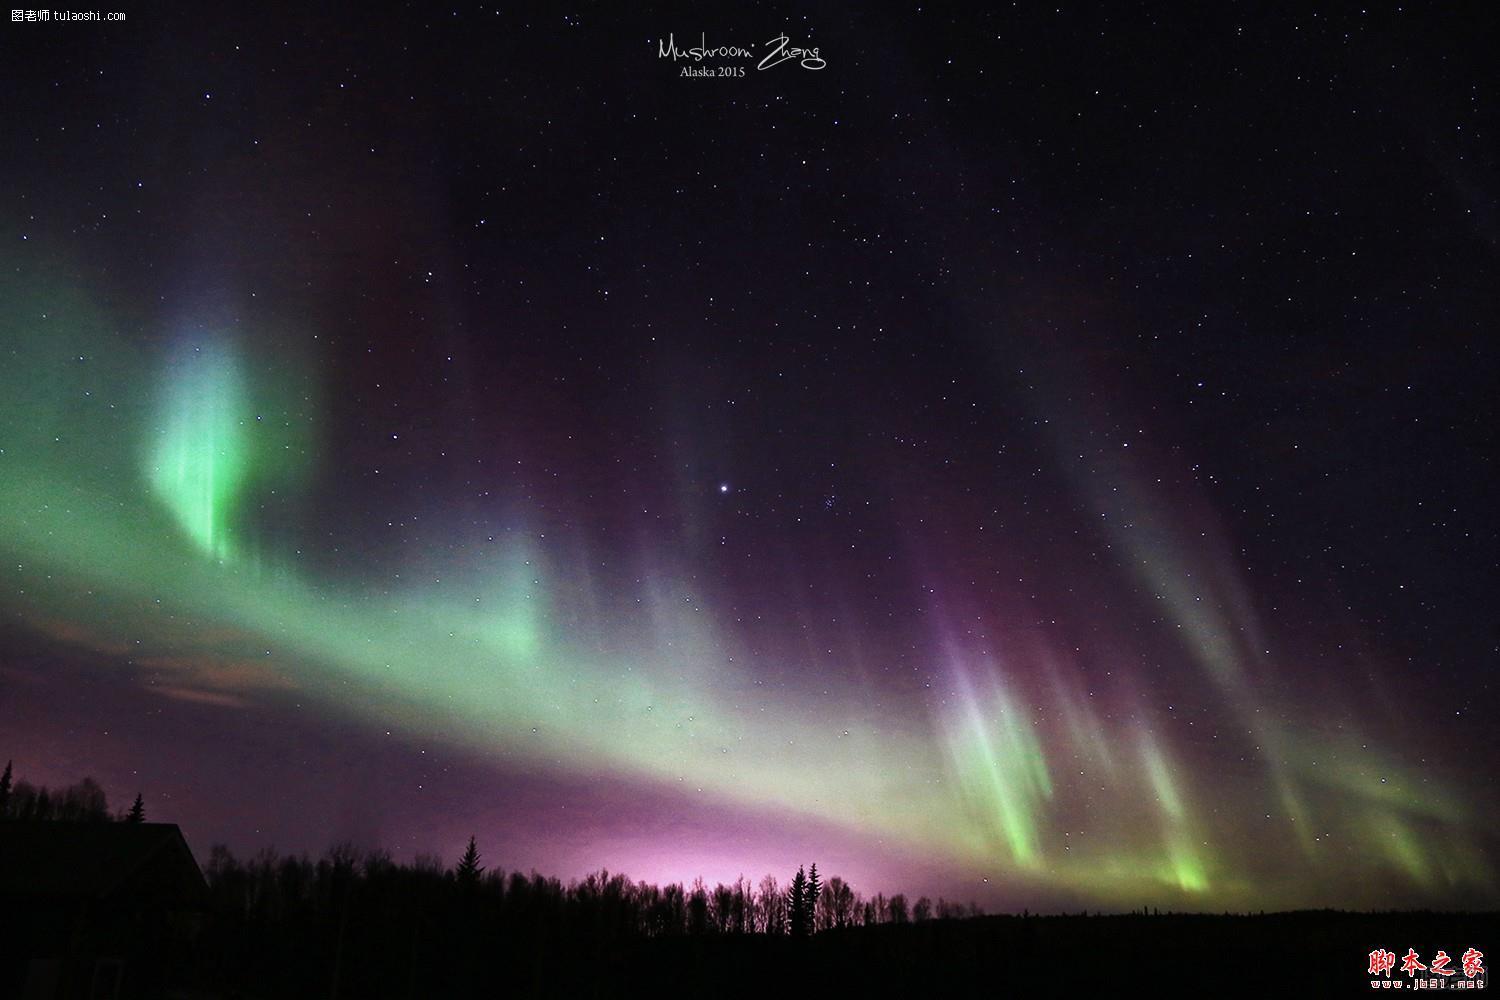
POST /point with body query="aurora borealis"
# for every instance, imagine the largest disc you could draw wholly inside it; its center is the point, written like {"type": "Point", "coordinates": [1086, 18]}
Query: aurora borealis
{"type": "Point", "coordinates": [1041, 460]}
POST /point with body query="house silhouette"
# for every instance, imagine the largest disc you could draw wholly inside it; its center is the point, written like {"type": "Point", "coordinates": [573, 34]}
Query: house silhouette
{"type": "Point", "coordinates": [94, 910]}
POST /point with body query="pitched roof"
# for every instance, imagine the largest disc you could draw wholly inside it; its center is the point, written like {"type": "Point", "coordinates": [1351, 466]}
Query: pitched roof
{"type": "Point", "coordinates": [93, 860]}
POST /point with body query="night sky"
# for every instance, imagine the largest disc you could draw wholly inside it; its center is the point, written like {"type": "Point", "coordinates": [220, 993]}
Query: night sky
{"type": "Point", "coordinates": [1043, 457]}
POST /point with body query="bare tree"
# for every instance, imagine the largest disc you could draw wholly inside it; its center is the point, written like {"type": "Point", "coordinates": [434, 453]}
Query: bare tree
{"type": "Point", "coordinates": [744, 905]}
{"type": "Point", "coordinates": [83, 801]}
{"type": "Point", "coordinates": [697, 908]}
{"type": "Point", "coordinates": [771, 907]}
{"type": "Point", "coordinates": [840, 903]}
{"type": "Point", "coordinates": [898, 909]}
{"type": "Point", "coordinates": [721, 908]}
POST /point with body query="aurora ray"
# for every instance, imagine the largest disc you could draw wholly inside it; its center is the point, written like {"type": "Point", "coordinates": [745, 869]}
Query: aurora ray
{"type": "Point", "coordinates": [1066, 496]}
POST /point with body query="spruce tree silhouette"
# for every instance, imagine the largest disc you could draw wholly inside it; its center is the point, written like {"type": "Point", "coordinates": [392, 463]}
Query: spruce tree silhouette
{"type": "Point", "coordinates": [796, 898]}
{"type": "Point", "coordinates": [5, 791]}
{"type": "Point", "coordinates": [814, 888]}
{"type": "Point", "coordinates": [137, 812]}
{"type": "Point", "coordinates": [469, 869]}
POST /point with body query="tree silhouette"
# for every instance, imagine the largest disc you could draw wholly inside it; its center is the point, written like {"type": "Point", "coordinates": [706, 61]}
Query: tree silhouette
{"type": "Point", "coordinates": [810, 901]}
{"type": "Point", "coordinates": [469, 869]}
{"type": "Point", "coordinates": [5, 791]}
{"type": "Point", "coordinates": [898, 908]}
{"type": "Point", "coordinates": [82, 802]}
{"type": "Point", "coordinates": [697, 908]}
{"type": "Point", "coordinates": [837, 901]}
{"type": "Point", "coordinates": [772, 907]}
{"type": "Point", "coordinates": [796, 904]}
{"type": "Point", "coordinates": [426, 928]}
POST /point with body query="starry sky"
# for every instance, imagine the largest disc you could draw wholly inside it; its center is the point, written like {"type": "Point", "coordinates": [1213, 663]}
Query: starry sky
{"type": "Point", "coordinates": [1042, 456]}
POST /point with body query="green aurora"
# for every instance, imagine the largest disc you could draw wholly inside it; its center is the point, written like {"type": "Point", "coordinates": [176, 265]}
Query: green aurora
{"type": "Point", "coordinates": [132, 483]}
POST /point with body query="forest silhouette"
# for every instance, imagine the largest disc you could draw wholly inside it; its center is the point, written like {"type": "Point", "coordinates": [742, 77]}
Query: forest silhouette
{"type": "Point", "coordinates": [355, 923]}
